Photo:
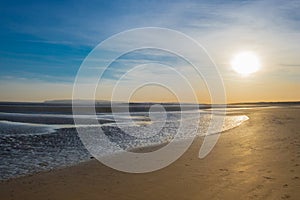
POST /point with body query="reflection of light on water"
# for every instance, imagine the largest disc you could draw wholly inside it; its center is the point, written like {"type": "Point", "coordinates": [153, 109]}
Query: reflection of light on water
{"type": "Point", "coordinates": [144, 133]}
{"type": "Point", "coordinates": [233, 121]}
{"type": "Point", "coordinates": [241, 119]}
{"type": "Point", "coordinates": [236, 120]}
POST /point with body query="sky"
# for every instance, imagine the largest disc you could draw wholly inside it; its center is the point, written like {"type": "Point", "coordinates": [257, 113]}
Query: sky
{"type": "Point", "coordinates": [44, 43]}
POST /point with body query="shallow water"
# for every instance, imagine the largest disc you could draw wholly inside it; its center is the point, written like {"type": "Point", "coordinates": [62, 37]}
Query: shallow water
{"type": "Point", "coordinates": [27, 147]}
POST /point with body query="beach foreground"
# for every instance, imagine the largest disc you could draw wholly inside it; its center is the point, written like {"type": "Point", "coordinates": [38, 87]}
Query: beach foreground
{"type": "Point", "coordinates": [258, 160]}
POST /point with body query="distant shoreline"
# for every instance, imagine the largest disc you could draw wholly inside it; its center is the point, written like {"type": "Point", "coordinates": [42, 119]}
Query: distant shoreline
{"type": "Point", "coordinates": [66, 108]}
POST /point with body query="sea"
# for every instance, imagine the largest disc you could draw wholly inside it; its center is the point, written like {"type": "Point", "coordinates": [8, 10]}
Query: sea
{"type": "Point", "coordinates": [33, 140]}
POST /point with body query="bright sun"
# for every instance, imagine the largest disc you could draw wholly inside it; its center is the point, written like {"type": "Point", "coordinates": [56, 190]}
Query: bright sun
{"type": "Point", "coordinates": [245, 63]}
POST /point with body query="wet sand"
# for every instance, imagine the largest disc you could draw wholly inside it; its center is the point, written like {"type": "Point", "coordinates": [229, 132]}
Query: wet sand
{"type": "Point", "coordinates": [258, 160]}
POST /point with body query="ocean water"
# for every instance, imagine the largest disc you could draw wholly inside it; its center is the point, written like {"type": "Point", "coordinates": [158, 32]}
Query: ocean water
{"type": "Point", "coordinates": [30, 143]}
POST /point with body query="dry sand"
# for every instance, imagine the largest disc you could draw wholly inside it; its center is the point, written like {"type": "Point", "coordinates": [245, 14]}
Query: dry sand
{"type": "Point", "coordinates": [258, 160]}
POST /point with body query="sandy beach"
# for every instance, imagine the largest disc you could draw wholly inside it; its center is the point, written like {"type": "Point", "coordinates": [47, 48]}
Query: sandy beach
{"type": "Point", "coordinates": [258, 160]}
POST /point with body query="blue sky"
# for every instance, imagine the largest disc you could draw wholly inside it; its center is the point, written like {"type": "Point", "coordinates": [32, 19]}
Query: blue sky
{"type": "Point", "coordinates": [45, 42]}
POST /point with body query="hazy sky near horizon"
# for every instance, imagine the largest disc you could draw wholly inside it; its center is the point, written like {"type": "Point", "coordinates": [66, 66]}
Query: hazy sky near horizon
{"type": "Point", "coordinates": [43, 44]}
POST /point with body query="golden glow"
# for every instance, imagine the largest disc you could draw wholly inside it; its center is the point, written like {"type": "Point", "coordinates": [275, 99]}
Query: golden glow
{"type": "Point", "coordinates": [245, 63]}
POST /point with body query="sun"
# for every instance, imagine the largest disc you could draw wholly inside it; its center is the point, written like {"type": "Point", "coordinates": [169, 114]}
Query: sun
{"type": "Point", "coordinates": [245, 63]}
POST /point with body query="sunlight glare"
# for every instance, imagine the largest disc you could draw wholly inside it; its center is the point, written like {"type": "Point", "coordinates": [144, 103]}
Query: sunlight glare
{"type": "Point", "coordinates": [245, 63]}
